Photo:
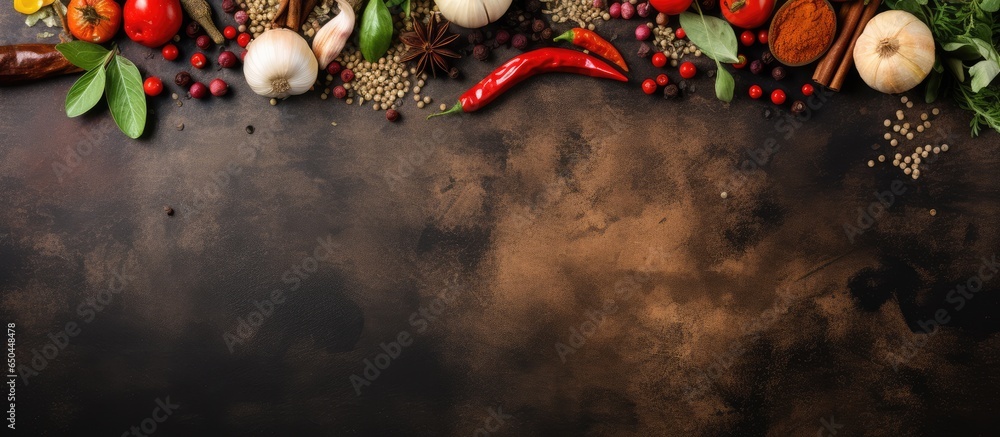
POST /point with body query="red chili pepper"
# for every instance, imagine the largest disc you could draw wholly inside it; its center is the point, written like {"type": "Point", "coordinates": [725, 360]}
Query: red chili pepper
{"type": "Point", "coordinates": [592, 41]}
{"type": "Point", "coordinates": [525, 65]}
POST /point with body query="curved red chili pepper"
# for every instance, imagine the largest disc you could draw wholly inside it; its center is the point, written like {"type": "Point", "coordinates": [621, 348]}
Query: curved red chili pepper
{"type": "Point", "coordinates": [590, 40]}
{"type": "Point", "coordinates": [525, 65]}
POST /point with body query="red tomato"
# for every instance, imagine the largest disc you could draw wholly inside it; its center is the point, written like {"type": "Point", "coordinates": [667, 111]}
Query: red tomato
{"type": "Point", "coordinates": [671, 7]}
{"type": "Point", "coordinates": [153, 86]}
{"type": "Point", "coordinates": [659, 59]}
{"type": "Point", "coordinates": [688, 70]}
{"type": "Point", "coordinates": [662, 80]}
{"type": "Point", "coordinates": [170, 52]}
{"type": "Point", "coordinates": [152, 22]}
{"type": "Point", "coordinates": [778, 97]}
{"type": "Point", "coordinates": [93, 21]}
{"type": "Point", "coordinates": [747, 38]}
{"type": "Point", "coordinates": [747, 14]}
{"type": "Point", "coordinates": [756, 92]}
{"type": "Point", "coordinates": [649, 86]}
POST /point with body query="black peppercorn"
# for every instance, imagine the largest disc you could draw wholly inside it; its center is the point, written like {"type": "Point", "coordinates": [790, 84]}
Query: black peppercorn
{"type": "Point", "coordinates": [778, 73]}
{"type": "Point", "coordinates": [538, 25]}
{"type": "Point", "coordinates": [767, 58]}
{"type": "Point", "coordinates": [644, 50]}
{"type": "Point", "coordinates": [798, 107]}
{"type": "Point", "coordinates": [454, 73]}
{"type": "Point", "coordinates": [671, 91]}
{"type": "Point", "coordinates": [183, 79]}
{"type": "Point", "coordinates": [481, 52]}
{"type": "Point", "coordinates": [502, 37]}
{"type": "Point", "coordinates": [756, 67]}
{"type": "Point", "coordinates": [475, 37]}
{"type": "Point", "coordinates": [547, 33]}
{"type": "Point", "coordinates": [519, 41]}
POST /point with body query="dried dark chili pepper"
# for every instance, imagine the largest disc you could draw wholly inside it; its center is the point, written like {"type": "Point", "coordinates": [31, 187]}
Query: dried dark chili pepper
{"type": "Point", "coordinates": [22, 63]}
{"type": "Point", "coordinates": [592, 41]}
{"type": "Point", "coordinates": [525, 65]}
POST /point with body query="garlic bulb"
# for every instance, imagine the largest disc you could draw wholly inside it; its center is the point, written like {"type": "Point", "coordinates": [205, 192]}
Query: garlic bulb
{"type": "Point", "coordinates": [895, 52]}
{"type": "Point", "coordinates": [279, 63]}
{"type": "Point", "coordinates": [472, 13]}
{"type": "Point", "coordinates": [330, 39]}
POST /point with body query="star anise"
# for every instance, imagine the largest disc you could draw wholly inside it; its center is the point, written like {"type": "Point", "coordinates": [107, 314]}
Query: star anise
{"type": "Point", "coordinates": [429, 44]}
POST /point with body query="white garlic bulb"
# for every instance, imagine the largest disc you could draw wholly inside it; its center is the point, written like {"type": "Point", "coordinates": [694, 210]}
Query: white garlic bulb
{"type": "Point", "coordinates": [472, 13]}
{"type": "Point", "coordinates": [279, 63]}
{"type": "Point", "coordinates": [895, 52]}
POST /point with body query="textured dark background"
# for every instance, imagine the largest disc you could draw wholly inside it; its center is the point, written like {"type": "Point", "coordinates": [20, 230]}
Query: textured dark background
{"type": "Point", "coordinates": [750, 315]}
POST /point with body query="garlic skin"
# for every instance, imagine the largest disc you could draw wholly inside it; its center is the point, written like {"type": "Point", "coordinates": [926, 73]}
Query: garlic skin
{"type": "Point", "coordinates": [279, 63]}
{"type": "Point", "coordinates": [330, 39]}
{"type": "Point", "coordinates": [471, 14]}
{"type": "Point", "coordinates": [895, 52]}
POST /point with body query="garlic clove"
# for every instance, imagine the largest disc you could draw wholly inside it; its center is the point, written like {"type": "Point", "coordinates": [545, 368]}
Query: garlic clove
{"type": "Point", "coordinates": [332, 37]}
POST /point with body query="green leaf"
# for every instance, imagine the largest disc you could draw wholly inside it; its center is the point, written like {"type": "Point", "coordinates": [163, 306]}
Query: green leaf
{"type": "Point", "coordinates": [376, 30]}
{"type": "Point", "coordinates": [83, 54]}
{"type": "Point", "coordinates": [406, 8]}
{"type": "Point", "coordinates": [125, 96]}
{"type": "Point", "coordinates": [956, 68]}
{"type": "Point", "coordinates": [713, 36]}
{"type": "Point", "coordinates": [933, 84]}
{"type": "Point", "coordinates": [983, 73]}
{"type": "Point", "coordinates": [990, 5]}
{"type": "Point", "coordinates": [85, 93]}
{"type": "Point", "coordinates": [724, 84]}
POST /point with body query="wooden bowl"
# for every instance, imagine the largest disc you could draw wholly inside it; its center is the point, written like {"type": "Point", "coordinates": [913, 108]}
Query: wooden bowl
{"type": "Point", "coordinates": [826, 45]}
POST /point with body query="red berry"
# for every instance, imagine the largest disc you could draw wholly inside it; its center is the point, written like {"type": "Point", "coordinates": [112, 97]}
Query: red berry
{"type": "Point", "coordinates": [649, 86]}
{"type": "Point", "coordinates": [688, 70]}
{"type": "Point", "coordinates": [243, 39]}
{"type": "Point", "coordinates": [227, 59]}
{"type": "Point", "coordinates": [229, 32]}
{"type": "Point", "coordinates": [392, 115]}
{"type": "Point", "coordinates": [153, 86]}
{"type": "Point", "coordinates": [807, 90]}
{"type": "Point", "coordinates": [203, 42]}
{"type": "Point", "coordinates": [756, 92]}
{"type": "Point", "coordinates": [218, 87]}
{"type": "Point", "coordinates": [680, 33]}
{"type": "Point", "coordinates": [346, 75]}
{"type": "Point", "coordinates": [741, 63]}
{"type": "Point", "coordinates": [339, 92]}
{"type": "Point", "coordinates": [778, 97]}
{"type": "Point", "coordinates": [762, 36]}
{"type": "Point", "coordinates": [659, 59]}
{"type": "Point", "coordinates": [198, 60]}
{"type": "Point", "coordinates": [198, 90]}
{"type": "Point", "coordinates": [170, 52]}
{"type": "Point", "coordinates": [243, 55]}
{"type": "Point", "coordinates": [748, 38]}
{"type": "Point", "coordinates": [662, 80]}
{"type": "Point", "coordinates": [334, 68]}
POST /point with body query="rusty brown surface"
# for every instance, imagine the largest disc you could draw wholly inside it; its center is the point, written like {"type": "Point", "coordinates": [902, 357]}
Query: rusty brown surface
{"type": "Point", "coordinates": [568, 204]}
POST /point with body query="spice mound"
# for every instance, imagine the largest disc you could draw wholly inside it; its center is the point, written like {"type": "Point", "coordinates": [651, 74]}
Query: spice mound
{"type": "Point", "coordinates": [802, 30]}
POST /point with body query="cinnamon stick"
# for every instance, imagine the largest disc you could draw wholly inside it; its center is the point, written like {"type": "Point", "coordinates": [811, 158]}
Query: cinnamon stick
{"type": "Point", "coordinates": [279, 16]}
{"type": "Point", "coordinates": [827, 66]}
{"type": "Point", "coordinates": [307, 9]}
{"type": "Point", "coordinates": [848, 62]}
{"type": "Point", "coordinates": [294, 15]}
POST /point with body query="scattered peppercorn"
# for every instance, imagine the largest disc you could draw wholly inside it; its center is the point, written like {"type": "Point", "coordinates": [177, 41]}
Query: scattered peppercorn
{"type": "Point", "coordinates": [628, 10]}
{"type": "Point", "coordinates": [192, 29]}
{"type": "Point", "coordinates": [643, 32]}
{"type": "Point", "coordinates": [481, 52]}
{"type": "Point", "coordinates": [198, 90]}
{"type": "Point", "coordinates": [250, 129]}
{"type": "Point", "coordinates": [183, 79]}
{"type": "Point", "coordinates": [392, 115]}
{"type": "Point", "coordinates": [229, 6]}
{"type": "Point", "coordinates": [766, 57]}
{"type": "Point", "coordinates": [519, 41]}
{"type": "Point", "coordinates": [203, 42]}
{"type": "Point", "coordinates": [661, 19]}
{"type": "Point", "coordinates": [502, 37]}
{"type": "Point", "coordinates": [227, 59]}
{"type": "Point", "coordinates": [168, 210]}
{"type": "Point", "coordinates": [615, 10]}
{"type": "Point", "coordinates": [671, 91]}
{"type": "Point", "coordinates": [644, 50]}
{"type": "Point", "coordinates": [334, 68]}
{"type": "Point", "coordinates": [778, 73]}
{"type": "Point", "coordinates": [538, 25]}
{"type": "Point", "coordinates": [756, 67]}
{"type": "Point", "coordinates": [339, 92]}
{"type": "Point", "coordinates": [475, 37]}
{"type": "Point", "coordinates": [798, 107]}
{"type": "Point", "coordinates": [347, 75]}
{"type": "Point", "coordinates": [643, 9]}
{"type": "Point", "coordinates": [546, 33]}
{"type": "Point", "coordinates": [454, 73]}
{"type": "Point", "coordinates": [218, 87]}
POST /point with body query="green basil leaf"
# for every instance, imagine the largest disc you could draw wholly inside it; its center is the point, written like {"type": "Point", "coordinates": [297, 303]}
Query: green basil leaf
{"type": "Point", "coordinates": [83, 54]}
{"type": "Point", "coordinates": [983, 73]}
{"type": "Point", "coordinates": [933, 84]}
{"type": "Point", "coordinates": [725, 85]}
{"type": "Point", "coordinates": [990, 5]}
{"type": "Point", "coordinates": [376, 30]}
{"type": "Point", "coordinates": [86, 92]}
{"type": "Point", "coordinates": [125, 96]}
{"type": "Point", "coordinates": [713, 36]}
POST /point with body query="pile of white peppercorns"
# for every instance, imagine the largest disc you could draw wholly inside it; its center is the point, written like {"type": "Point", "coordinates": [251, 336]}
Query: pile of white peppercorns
{"type": "Point", "coordinates": [901, 131]}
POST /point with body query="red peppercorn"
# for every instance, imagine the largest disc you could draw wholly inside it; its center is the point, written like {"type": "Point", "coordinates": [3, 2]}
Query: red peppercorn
{"type": "Point", "coordinates": [659, 59]}
{"type": "Point", "coordinates": [347, 75]}
{"type": "Point", "coordinates": [203, 42]}
{"type": "Point", "coordinates": [218, 87]}
{"type": "Point", "coordinates": [688, 70]}
{"type": "Point", "coordinates": [747, 38]}
{"type": "Point", "coordinates": [762, 36]}
{"type": "Point", "coordinates": [662, 80]}
{"type": "Point", "coordinates": [183, 79]}
{"type": "Point", "coordinates": [170, 52]}
{"type": "Point", "coordinates": [649, 86]}
{"type": "Point", "coordinates": [680, 33]}
{"type": "Point", "coordinates": [243, 55]}
{"type": "Point", "coordinates": [153, 86]}
{"type": "Point", "coordinates": [778, 97]}
{"type": "Point", "coordinates": [229, 32]}
{"type": "Point", "coordinates": [334, 68]}
{"type": "Point", "coordinates": [198, 60]}
{"type": "Point", "coordinates": [193, 29]}
{"type": "Point", "coordinates": [392, 115]}
{"type": "Point", "coordinates": [243, 39]}
{"type": "Point", "coordinates": [741, 63]}
{"type": "Point", "coordinates": [339, 92]}
{"type": "Point", "coordinates": [198, 90]}
{"type": "Point", "coordinates": [807, 90]}
{"type": "Point", "coordinates": [756, 92]}
{"type": "Point", "coordinates": [227, 59]}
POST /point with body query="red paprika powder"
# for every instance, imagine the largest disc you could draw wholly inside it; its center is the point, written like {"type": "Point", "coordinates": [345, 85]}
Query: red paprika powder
{"type": "Point", "coordinates": [801, 31]}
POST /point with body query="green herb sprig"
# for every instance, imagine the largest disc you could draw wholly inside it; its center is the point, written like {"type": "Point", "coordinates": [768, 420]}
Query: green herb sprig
{"type": "Point", "coordinates": [109, 74]}
{"type": "Point", "coordinates": [717, 40]}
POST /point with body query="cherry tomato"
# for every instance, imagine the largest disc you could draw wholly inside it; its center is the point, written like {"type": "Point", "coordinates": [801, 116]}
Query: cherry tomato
{"type": "Point", "coordinates": [807, 90]}
{"type": "Point", "coordinates": [756, 92]}
{"type": "Point", "coordinates": [153, 86]}
{"type": "Point", "coordinates": [778, 97]}
{"type": "Point", "coordinates": [747, 14]}
{"type": "Point", "coordinates": [170, 52]}
{"type": "Point", "coordinates": [662, 80]}
{"type": "Point", "coordinates": [742, 62]}
{"type": "Point", "coordinates": [671, 7]}
{"type": "Point", "coordinates": [688, 70]}
{"type": "Point", "coordinates": [762, 36]}
{"type": "Point", "coordinates": [198, 60]}
{"type": "Point", "coordinates": [229, 32]}
{"type": "Point", "coordinates": [649, 86]}
{"type": "Point", "coordinates": [152, 23]}
{"type": "Point", "coordinates": [93, 21]}
{"type": "Point", "coordinates": [747, 38]}
{"type": "Point", "coordinates": [680, 33]}
{"type": "Point", "coordinates": [659, 59]}
{"type": "Point", "coordinates": [243, 39]}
